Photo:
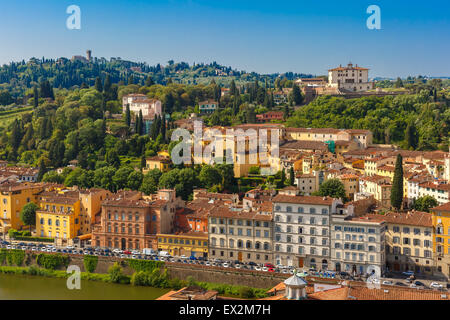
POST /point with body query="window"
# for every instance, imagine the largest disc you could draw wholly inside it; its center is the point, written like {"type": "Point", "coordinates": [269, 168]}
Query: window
{"type": "Point", "coordinates": [300, 220]}
{"type": "Point", "coordinates": [405, 230]}
{"type": "Point", "coordinates": [406, 241]}
{"type": "Point", "coordinates": [289, 209]}
{"type": "Point", "coordinates": [312, 210]}
{"type": "Point", "coordinates": [324, 211]}
{"type": "Point", "coordinates": [416, 231]}
{"type": "Point", "coordinates": [300, 209]}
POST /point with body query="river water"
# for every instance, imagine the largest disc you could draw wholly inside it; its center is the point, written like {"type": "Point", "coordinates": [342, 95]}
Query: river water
{"type": "Point", "coordinates": [23, 287]}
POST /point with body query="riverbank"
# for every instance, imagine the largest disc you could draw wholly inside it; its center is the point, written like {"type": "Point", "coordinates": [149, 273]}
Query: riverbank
{"type": "Point", "coordinates": [155, 278]}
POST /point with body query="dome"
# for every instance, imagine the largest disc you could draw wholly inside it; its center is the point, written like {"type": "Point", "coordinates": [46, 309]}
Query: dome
{"type": "Point", "coordinates": [295, 281]}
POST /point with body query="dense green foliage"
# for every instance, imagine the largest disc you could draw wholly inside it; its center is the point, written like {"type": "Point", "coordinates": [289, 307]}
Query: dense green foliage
{"type": "Point", "coordinates": [420, 121]}
{"type": "Point", "coordinates": [332, 188]}
{"type": "Point", "coordinates": [397, 184]}
{"type": "Point", "coordinates": [90, 263]}
{"type": "Point", "coordinates": [144, 265]}
{"type": "Point", "coordinates": [12, 257]}
{"type": "Point", "coordinates": [425, 203]}
{"type": "Point", "coordinates": [52, 261]}
{"type": "Point", "coordinates": [28, 214]}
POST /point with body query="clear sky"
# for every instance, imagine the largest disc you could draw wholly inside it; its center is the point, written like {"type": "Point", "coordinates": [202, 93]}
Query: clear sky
{"type": "Point", "coordinates": [264, 36]}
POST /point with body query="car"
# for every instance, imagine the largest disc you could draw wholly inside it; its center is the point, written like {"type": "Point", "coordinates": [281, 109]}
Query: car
{"type": "Point", "coordinates": [123, 256]}
{"type": "Point", "coordinates": [24, 248]}
{"type": "Point", "coordinates": [279, 266]}
{"type": "Point", "coordinates": [419, 284]}
{"type": "Point", "coordinates": [258, 268]}
{"type": "Point", "coordinates": [225, 265]}
{"type": "Point", "coordinates": [48, 249]}
{"type": "Point", "coordinates": [207, 263]}
{"type": "Point", "coordinates": [43, 249]}
{"type": "Point", "coordinates": [436, 285]}
{"type": "Point", "coordinates": [70, 248]}
{"type": "Point", "coordinates": [265, 269]}
{"type": "Point", "coordinates": [34, 249]}
{"type": "Point", "coordinates": [183, 257]}
{"type": "Point", "coordinates": [387, 283]}
{"type": "Point", "coordinates": [136, 252]}
{"type": "Point", "coordinates": [284, 271]}
{"type": "Point", "coordinates": [271, 270]}
{"type": "Point", "coordinates": [133, 257]}
{"type": "Point", "coordinates": [408, 273]}
{"type": "Point", "coordinates": [375, 281]}
{"type": "Point", "coordinates": [237, 266]}
{"type": "Point", "coordinates": [400, 284]}
{"type": "Point", "coordinates": [9, 246]}
{"type": "Point", "coordinates": [269, 265]}
{"type": "Point", "coordinates": [127, 252]}
{"type": "Point", "coordinates": [251, 263]}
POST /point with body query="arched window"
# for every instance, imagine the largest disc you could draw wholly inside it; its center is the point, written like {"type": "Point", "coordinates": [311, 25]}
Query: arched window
{"type": "Point", "coordinates": [123, 227]}
{"type": "Point", "coordinates": [109, 227]}
{"type": "Point", "coordinates": [116, 229]}
{"type": "Point", "coordinates": [213, 241]}
{"type": "Point", "coordinates": [42, 221]}
{"type": "Point", "coordinates": [136, 216]}
{"type": "Point", "coordinates": [123, 216]}
{"type": "Point", "coordinates": [231, 243]}
{"type": "Point", "coordinates": [248, 245]}
{"type": "Point", "coordinates": [130, 216]}
{"type": "Point", "coordinates": [136, 227]}
{"type": "Point", "coordinates": [239, 244]}
{"type": "Point", "coordinates": [130, 229]}
{"type": "Point", "coordinates": [57, 223]}
{"type": "Point", "coordinates": [266, 246]}
{"type": "Point", "coordinates": [116, 215]}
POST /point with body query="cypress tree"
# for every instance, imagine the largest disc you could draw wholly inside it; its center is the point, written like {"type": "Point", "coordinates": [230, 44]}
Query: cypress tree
{"type": "Point", "coordinates": [412, 138]}
{"type": "Point", "coordinates": [42, 170]}
{"type": "Point", "coordinates": [128, 116]}
{"type": "Point", "coordinates": [163, 127]}
{"type": "Point", "coordinates": [397, 184]}
{"type": "Point", "coordinates": [36, 96]}
{"type": "Point", "coordinates": [98, 84]}
{"type": "Point", "coordinates": [291, 176]}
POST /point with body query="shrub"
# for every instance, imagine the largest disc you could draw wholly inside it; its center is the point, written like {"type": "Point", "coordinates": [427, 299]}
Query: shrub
{"type": "Point", "coordinates": [144, 265]}
{"type": "Point", "coordinates": [115, 273]}
{"type": "Point", "coordinates": [90, 263]}
{"type": "Point", "coordinates": [246, 293]}
{"type": "Point", "coordinates": [52, 261]}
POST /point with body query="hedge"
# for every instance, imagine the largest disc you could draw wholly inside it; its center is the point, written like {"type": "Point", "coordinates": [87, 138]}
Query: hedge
{"type": "Point", "coordinates": [144, 265]}
{"type": "Point", "coordinates": [90, 263]}
{"type": "Point", "coordinates": [38, 239]}
{"type": "Point", "coordinates": [52, 261]}
{"type": "Point", "coordinates": [12, 256]}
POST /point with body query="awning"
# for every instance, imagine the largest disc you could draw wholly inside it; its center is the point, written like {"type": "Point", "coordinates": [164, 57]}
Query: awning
{"type": "Point", "coordinates": [85, 236]}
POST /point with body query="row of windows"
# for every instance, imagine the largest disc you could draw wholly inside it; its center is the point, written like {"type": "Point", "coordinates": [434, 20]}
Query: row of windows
{"type": "Point", "coordinates": [416, 242]}
{"type": "Point", "coordinates": [355, 229]}
{"type": "Point", "coordinates": [407, 251]}
{"type": "Point", "coordinates": [301, 230]}
{"type": "Point", "coordinates": [123, 216]}
{"type": "Point", "coordinates": [57, 223]}
{"type": "Point", "coordinates": [302, 210]}
{"type": "Point", "coordinates": [240, 244]}
{"type": "Point", "coordinates": [408, 230]}
{"type": "Point", "coordinates": [240, 232]}
{"type": "Point", "coordinates": [301, 250]}
{"type": "Point", "coordinates": [183, 241]}
{"type": "Point", "coordinates": [354, 246]}
{"type": "Point", "coordinates": [123, 228]}
{"type": "Point", "coordinates": [312, 240]}
{"type": "Point", "coordinates": [240, 222]}
{"type": "Point", "coordinates": [312, 220]}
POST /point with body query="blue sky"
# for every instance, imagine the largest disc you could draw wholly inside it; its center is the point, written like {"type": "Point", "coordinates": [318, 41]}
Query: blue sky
{"type": "Point", "coordinates": [262, 36]}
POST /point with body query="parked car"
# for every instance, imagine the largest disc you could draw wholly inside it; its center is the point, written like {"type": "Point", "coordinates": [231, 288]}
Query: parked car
{"type": "Point", "coordinates": [225, 265]}
{"type": "Point", "coordinates": [408, 273]}
{"type": "Point", "coordinates": [237, 266]}
{"type": "Point", "coordinates": [135, 252]}
{"type": "Point", "coordinates": [207, 263]}
{"type": "Point", "coordinates": [271, 270]}
{"type": "Point", "coordinates": [388, 283]}
{"type": "Point", "coordinates": [436, 285]}
{"type": "Point", "coordinates": [265, 269]}
{"type": "Point", "coordinates": [183, 257]}
{"type": "Point", "coordinates": [269, 265]}
{"type": "Point", "coordinates": [258, 268]}
{"type": "Point", "coordinates": [400, 284]}
{"type": "Point", "coordinates": [419, 284]}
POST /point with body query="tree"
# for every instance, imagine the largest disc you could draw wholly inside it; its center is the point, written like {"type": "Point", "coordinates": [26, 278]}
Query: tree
{"type": "Point", "coordinates": [36, 97]}
{"type": "Point", "coordinates": [398, 83]}
{"type": "Point", "coordinates": [425, 203]}
{"type": "Point", "coordinates": [128, 116]}
{"type": "Point", "coordinates": [150, 181]}
{"type": "Point", "coordinates": [28, 214]}
{"type": "Point", "coordinates": [42, 170]}
{"type": "Point", "coordinates": [98, 84]}
{"type": "Point", "coordinates": [112, 158]}
{"type": "Point", "coordinates": [397, 184]}
{"type": "Point", "coordinates": [291, 176]}
{"type": "Point", "coordinates": [210, 176]}
{"type": "Point", "coordinates": [412, 137]}
{"type": "Point", "coordinates": [297, 95]}
{"type": "Point", "coordinates": [332, 188]}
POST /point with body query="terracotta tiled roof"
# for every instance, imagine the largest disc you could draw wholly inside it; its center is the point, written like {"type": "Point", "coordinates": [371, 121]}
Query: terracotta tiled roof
{"type": "Point", "coordinates": [391, 293]}
{"type": "Point", "coordinates": [443, 207]}
{"type": "Point", "coordinates": [413, 218]}
{"type": "Point", "coordinates": [303, 199]}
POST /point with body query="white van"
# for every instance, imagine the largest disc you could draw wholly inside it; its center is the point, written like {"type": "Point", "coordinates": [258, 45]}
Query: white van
{"type": "Point", "coordinates": [163, 254]}
{"type": "Point", "coordinates": [149, 252]}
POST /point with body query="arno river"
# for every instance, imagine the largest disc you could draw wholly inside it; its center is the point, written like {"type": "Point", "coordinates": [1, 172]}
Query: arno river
{"type": "Point", "coordinates": [14, 287]}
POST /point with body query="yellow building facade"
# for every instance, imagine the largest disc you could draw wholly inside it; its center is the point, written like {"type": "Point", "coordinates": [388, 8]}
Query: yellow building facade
{"type": "Point", "coordinates": [441, 238]}
{"type": "Point", "coordinates": [14, 196]}
{"type": "Point", "coordinates": [58, 217]}
{"type": "Point", "coordinates": [188, 244]}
